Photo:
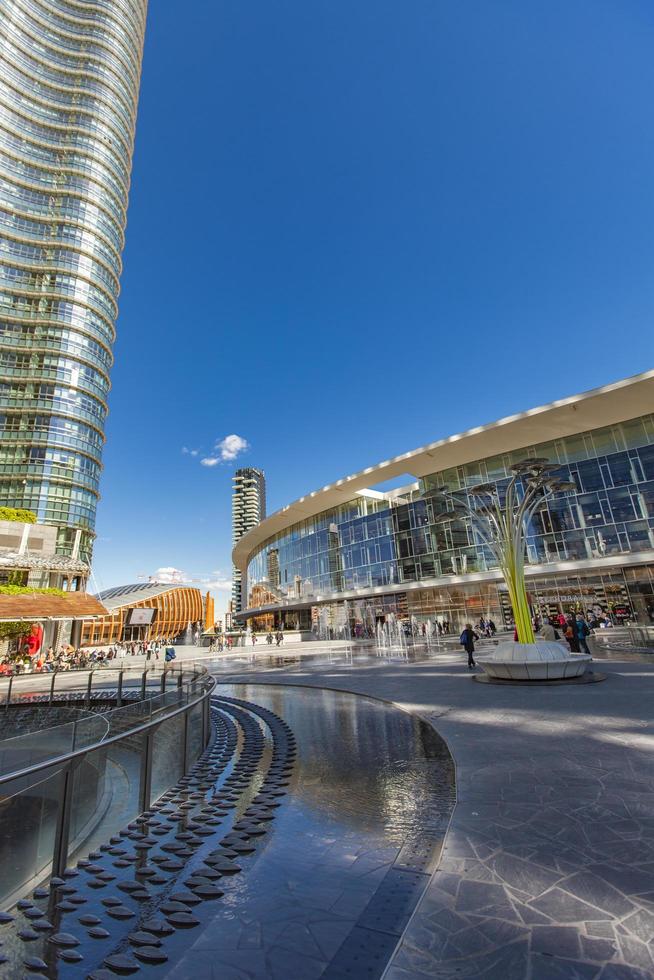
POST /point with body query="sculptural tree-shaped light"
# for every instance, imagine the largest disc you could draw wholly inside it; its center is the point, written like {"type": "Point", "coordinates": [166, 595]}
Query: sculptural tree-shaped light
{"type": "Point", "coordinates": [501, 523]}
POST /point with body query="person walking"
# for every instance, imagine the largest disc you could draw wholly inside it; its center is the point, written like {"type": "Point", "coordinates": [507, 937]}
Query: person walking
{"type": "Point", "coordinates": [467, 641]}
{"type": "Point", "coordinates": [547, 630]}
{"type": "Point", "coordinates": [571, 635]}
{"type": "Point", "coordinates": [581, 628]}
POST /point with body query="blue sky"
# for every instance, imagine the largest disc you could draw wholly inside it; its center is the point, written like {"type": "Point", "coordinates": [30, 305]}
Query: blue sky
{"type": "Point", "coordinates": [356, 227]}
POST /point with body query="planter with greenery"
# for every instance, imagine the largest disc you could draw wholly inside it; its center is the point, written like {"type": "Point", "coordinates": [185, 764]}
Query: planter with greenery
{"type": "Point", "coordinates": [29, 590]}
{"type": "Point", "coordinates": [19, 514]}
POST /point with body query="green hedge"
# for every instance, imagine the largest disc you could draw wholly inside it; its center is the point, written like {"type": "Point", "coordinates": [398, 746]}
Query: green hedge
{"type": "Point", "coordinates": [11, 631]}
{"type": "Point", "coordinates": [17, 514]}
{"type": "Point", "coordinates": [28, 590]}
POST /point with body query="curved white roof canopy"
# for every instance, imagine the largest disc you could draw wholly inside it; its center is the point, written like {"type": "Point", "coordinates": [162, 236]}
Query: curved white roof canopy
{"type": "Point", "coordinates": [126, 595]}
{"type": "Point", "coordinates": [617, 402]}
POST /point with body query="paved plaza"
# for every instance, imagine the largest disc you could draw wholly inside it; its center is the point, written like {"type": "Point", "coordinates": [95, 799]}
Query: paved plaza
{"type": "Point", "coordinates": [547, 869]}
{"type": "Point", "coordinates": [363, 813]}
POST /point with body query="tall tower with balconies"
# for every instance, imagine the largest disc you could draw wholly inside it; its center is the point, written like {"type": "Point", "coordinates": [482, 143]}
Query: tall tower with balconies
{"type": "Point", "coordinates": [248, 509]}
{"type": "Point", "coordinates": [69, 85]}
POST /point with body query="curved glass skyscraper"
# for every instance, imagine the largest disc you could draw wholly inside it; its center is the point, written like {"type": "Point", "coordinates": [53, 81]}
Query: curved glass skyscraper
{"type": "Point", "coordinates": [69, 83]}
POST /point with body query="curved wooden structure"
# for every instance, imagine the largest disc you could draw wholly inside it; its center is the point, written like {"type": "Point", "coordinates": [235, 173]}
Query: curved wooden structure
{"type": "Point", "coordinates": [175, 607]}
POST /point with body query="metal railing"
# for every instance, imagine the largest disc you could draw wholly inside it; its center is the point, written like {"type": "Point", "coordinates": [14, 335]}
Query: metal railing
{"type": "Point", "coordinates": [57, 787]}
{"type": "Point", "coordinates": [624, 643]}
{"type": "Point", "coordinates": [19, 687]}
{"type": "Point", "coordinates": [642, 636]}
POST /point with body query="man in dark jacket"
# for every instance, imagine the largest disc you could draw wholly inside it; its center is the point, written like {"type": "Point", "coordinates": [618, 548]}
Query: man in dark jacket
{"type": "Point", "coordinates": [582, 631]}
{"type": "Point", "coordinates": [467, 641]}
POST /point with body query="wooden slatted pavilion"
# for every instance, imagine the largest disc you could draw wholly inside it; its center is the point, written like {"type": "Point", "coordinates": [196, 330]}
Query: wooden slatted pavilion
{"type": "Point", "coordinates": [175, 607]}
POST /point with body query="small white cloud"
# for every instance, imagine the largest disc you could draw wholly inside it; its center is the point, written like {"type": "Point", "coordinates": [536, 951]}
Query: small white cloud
{"type": "Point", "coordinates": [217, 585]}
{"type": "Point", "coordinates": [231, 446]}
{"type": "Point", "coordinates": [216, 581]}
{"type": "Point", "coordinates": [224, 451]}
{"type": "Point", "coordinates": [168, 575]}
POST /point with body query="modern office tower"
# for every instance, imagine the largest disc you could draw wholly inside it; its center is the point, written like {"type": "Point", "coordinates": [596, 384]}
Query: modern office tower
{"type": "Point", "coordinates": [69, 85]}
{"type": "Point", "coordinates": [248, 509]}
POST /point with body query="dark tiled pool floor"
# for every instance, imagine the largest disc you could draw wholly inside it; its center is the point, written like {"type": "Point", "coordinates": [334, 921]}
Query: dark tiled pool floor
{"type": "Point", "coordinates": [351, 850]}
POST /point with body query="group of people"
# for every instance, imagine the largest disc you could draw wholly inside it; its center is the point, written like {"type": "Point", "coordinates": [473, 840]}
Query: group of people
{"type": "Point", "coordinates": [219, 643]}
{"type": "Point", "coordinates": [150, 649]}
{"type": "Point", "coordinates": [277, 638]}
{"type": "Point", "coordinates": [574, 629]}
{"type": "Point", "coordinates": [68, 657]}
{"type": "Point", "coordinates": [487, 627]}
{"type": "Point", "coordinates": [409, 628]}
{"type": "Point", "coordinates": [138, 648]}
{"type": "Point", "coordinates": [437, 628]}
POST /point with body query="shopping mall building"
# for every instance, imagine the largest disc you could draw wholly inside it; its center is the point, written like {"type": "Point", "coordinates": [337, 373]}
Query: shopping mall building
{"type": "Point", "coordinates": [345, 558]}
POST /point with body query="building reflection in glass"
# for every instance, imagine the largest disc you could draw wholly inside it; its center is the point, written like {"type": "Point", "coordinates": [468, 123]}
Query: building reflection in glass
{"type": "Point", "coordinates": [377, 541]}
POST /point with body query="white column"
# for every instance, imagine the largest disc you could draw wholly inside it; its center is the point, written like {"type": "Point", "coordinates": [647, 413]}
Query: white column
{"type": "Point", "coordinates": [23, 541]}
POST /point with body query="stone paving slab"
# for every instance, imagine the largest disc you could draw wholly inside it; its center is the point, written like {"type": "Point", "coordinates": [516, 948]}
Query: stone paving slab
{"type": "Point", "coordinates": [548, 866]}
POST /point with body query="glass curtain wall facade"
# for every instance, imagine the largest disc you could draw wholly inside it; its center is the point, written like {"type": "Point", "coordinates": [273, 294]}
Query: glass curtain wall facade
{"type": "Point", "coordinates": [374, 541]}
{"type": "Point", "coordinates": [69, 83]}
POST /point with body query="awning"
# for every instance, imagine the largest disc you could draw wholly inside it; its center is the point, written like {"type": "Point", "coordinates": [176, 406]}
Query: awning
{"type": "Point", "coordinates": [35, 607]}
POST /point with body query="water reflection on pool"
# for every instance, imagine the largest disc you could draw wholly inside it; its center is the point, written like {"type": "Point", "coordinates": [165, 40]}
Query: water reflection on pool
{"type": "Point", "coordinates": [369, 780]}
{"type": "Point", "coordinates": [309, 655]}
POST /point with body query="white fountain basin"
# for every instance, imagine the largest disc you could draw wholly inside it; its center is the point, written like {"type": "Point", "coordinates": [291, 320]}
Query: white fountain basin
{"type": "Point", "coordinates": [544, 660]}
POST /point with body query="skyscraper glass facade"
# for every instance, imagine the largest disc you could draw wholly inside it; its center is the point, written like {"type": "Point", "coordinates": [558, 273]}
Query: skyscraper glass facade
{"type": "Point", "coordinates": [69, 83]}
{"type": "Point", "coordinates": [389, 541]}
{"type": "Point", "coordinates": [248, 510]}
